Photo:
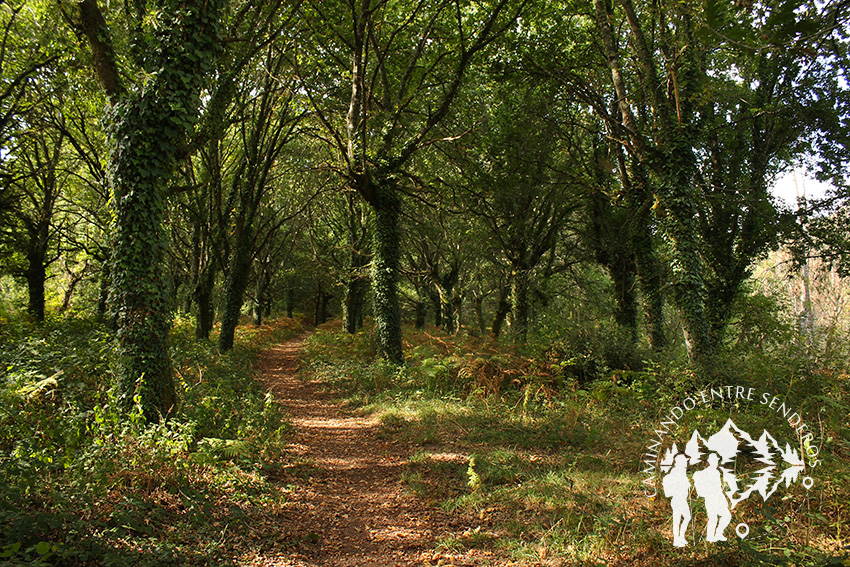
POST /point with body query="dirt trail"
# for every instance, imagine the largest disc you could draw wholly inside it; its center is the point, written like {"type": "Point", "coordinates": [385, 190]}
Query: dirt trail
{"type": "Point", "coordinates": [349, 507]}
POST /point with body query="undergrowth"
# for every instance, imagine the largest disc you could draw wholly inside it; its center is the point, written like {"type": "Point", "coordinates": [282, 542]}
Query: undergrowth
{"type": "Point", "coordinates": [541, 446]}
{"type": "Point", "coordinates": [84, 484]}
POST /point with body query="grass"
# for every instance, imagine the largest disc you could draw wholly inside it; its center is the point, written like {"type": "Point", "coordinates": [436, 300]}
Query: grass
{"type": "Point", "coordinates": [83, 484]}
{"type": "Point", "coordinates": [549, 468]}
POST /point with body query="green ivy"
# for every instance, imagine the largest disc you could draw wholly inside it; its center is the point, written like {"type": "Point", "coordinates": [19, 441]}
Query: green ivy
{"type": "Point", "coordinates": [148, 128]}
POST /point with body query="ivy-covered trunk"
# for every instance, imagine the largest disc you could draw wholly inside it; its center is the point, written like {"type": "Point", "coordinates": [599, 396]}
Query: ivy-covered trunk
{"type": "Point", "coordinates": [639, 200]}
{"type": "Point", "coordinates": [678, 217]}
{"type": "Point", "coordinates": [386, 208]}
{"type": "Point", "coordinates": [235, 286]}
{"type": "Point", "coordinates": [147, 129]}
{"type": "Point", "coordinates": [623, 274]}
{"type": "Point", "coordinates": [140, 294]}
{"type": "Point", "coordinates": [650, 280]}
{"type": "Point", "coordinates": [722, 294]}
{"type": "Point", "coordinates": [611, 230]}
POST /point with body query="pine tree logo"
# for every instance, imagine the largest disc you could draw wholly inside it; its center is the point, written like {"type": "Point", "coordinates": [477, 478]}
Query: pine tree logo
{"type": "Point", "coordinates": [726, 469]}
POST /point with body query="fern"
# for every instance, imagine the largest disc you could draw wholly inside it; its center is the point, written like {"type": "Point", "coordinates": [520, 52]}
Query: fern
{"type": "Point", "coordinates": [227, 448]}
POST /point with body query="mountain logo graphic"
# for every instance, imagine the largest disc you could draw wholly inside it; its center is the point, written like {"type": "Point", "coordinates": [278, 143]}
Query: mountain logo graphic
{"type": "Point", "coordinates": [725, 469]}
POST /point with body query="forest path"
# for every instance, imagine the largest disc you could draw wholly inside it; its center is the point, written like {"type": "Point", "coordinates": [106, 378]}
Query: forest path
{"type": "Point", "coordinates": [349, 506]}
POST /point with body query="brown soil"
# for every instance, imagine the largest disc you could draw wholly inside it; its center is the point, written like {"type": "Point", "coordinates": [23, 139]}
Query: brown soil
{"type": "Point", "coordinates": [349, 506]}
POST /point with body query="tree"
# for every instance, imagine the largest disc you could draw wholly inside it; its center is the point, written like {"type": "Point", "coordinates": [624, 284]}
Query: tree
{"type": "Point", "coordinates": [711, 101]}
{"type": "Point", "coordinates": [355, 279]}
{"type": "Point", "coordinates": [35, 182]}
{"type": "Point", "coordinates": [438, 248]}
{"type": "Point", "coordinates": [148, 127]}
{"type": "Point", "coordinates": [516, 175]}
{"type": "Point", "coordinates": [404, 65]}
{"type": "Point", "coordinates": [262, 139]}
{"type": "Point", "coordinates": [33, 167]}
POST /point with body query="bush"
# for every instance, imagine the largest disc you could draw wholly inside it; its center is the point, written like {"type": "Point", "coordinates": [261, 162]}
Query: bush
{"type": "Point", "coordinates": [85, 483]}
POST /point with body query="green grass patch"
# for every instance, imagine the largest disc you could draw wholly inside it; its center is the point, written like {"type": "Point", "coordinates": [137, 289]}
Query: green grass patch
{"type": "Point", "coordinates": [549, 470]}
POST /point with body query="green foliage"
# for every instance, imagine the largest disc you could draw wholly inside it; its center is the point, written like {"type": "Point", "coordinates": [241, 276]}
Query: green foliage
{"type": "Point", "coordinates": [84, 481]}
{"type": "Point", "coordinates": [147, 129]}
{"type": "Point", "coordinates": [550, 466]}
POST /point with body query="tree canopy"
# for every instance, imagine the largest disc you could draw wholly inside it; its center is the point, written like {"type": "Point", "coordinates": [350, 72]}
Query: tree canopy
{"type": "Point", "coordinates": [389, 159]}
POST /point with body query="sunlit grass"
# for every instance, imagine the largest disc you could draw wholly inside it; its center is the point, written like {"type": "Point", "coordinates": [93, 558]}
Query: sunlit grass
{"type": "Point", "coordinates": [550, 472]}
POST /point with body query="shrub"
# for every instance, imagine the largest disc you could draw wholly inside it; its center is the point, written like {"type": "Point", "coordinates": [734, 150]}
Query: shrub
{"type": "Point", "coordinates": [82, 481]}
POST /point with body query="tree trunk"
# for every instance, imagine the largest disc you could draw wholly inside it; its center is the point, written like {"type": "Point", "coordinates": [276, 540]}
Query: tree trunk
{"type": "Point", "coordinates": [103, 289]}
{"type": "Point", "coordinates": [478, 302]}
{"type": "Point", "coordinates": [326, 299]}
{"type": "Point", "coordinates": [203, 299]}
{"type": "Point", "coordinates": [678, 221]}
{"type": "Point", "coordinates": [356, 284]}
{"type": "Point", "coordinates": [36, 275]}
{"type": "Point", "coordinates": [385, 266]}
{"type": "Point", "coordinates": [623, 274]}
{"type": "Point", "coordinates": [234, 288]}
{"type": "Point", "coordinates": [290, 302]}
{"type": "Point", "coordinates": [447, 308]}
{"type": "Point", "coordinates": [457, 312]}
{"type": "Point", "coordinates": [650, 279]}
{"type": "Point", "coordinates": [147, 129]}
{"type": "Point", "coordinates": [649, 272]}
{"type": "Point", "coordinates": [356, 287]}
{"type": "Point", "coordinates": [421, 311]}
{"type": "Point", "coordinates": [503, 306]}
{"type": "Point", "coordinates": [353, 303]}
{"type": "Point", "coordinates": [722, 294]}
{"type": "Point", "coordinates": [611, 237]}
{"type": "Point", "coordinates": [261, 301]}
{"type": "Point", "coordinates": [320, 313]}
{"type": "Point", "coordinates": [446, 288]}
{"type": "Point", "coordinates": [519, 303]}
{"type": "Point", "coordinates": [140, 296]}
{"type": "Point", "coordinates": [67, 297]}
{"type": "Point", "coordinates": [259, 306]}
{"type": "Point", "coordinates": [434, 296]}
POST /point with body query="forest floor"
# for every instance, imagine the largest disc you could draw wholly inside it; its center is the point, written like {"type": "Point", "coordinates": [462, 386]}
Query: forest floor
{"type": "Point", "coordinates": [348, 504]}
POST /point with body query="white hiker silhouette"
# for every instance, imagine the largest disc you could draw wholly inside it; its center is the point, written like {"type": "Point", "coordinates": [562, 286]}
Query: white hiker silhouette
{"type": "Point", "coordinates": [677, 486]}
{"type": "Point", "coordinates": [709, 485]}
